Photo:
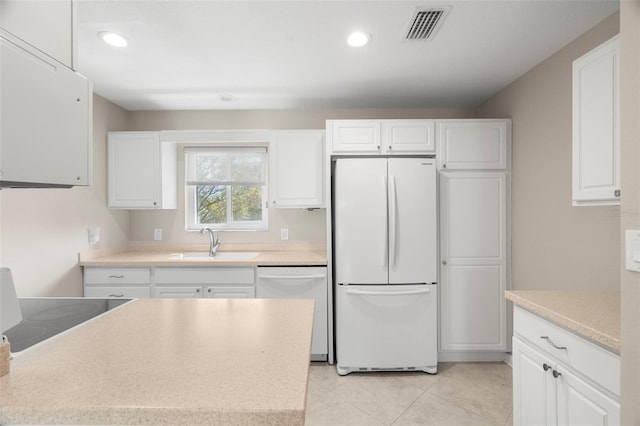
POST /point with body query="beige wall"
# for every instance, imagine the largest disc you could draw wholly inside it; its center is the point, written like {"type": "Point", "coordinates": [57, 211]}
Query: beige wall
{"type": "Point", "coordinates": [44, 229]}
{"type": "Point", "coordinates": [554, 245]}
{"type": "Point", "coordinates": [630, 217]}
{"type": "Point", "coordinates": [303, 226]}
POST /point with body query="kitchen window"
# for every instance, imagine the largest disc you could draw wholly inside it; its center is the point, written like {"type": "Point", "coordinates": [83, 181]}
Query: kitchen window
{"type": "Point", "coordinates": [226, 188]}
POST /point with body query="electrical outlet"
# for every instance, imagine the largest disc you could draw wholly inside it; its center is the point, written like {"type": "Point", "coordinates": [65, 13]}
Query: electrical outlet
{"type": "Point", "coordinates": [94, 235]}
{"type": "Point", "coordinates": [157, 234]}
{"type": "Point", "coordinates": [284, 234]}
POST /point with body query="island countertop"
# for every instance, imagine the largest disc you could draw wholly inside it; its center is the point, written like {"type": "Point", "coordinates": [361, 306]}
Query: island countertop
{"type": "Point", "coordinates": [169, 255]}
{"type": "Point", "coordinates": [592, 314]}
{"type": "Point", "coordinates": [169, 361]}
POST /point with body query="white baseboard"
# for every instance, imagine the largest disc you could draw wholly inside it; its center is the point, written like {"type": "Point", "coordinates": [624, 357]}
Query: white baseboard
{"type": "Point", "coordinates": [469, 356]}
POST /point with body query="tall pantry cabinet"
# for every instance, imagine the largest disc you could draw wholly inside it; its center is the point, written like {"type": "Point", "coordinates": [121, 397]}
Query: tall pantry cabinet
{"type": "Point", "coordinates": [474, 157]}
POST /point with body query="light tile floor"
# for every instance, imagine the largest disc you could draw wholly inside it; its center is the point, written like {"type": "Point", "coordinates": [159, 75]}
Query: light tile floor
{"type": "Point", "coordinates": [460, 394]}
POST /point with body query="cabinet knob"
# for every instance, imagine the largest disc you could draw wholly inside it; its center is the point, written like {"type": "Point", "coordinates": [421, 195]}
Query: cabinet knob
{"type": "Point", "coordinates": [546, 367]}
{"type": "Point", "coordinates": [616, 193]}
{"type": "Point", "coordinates": [155, 204]}
{"type": "Point", "coordinates": [444, 166]}
{"type": "Point", "coordinates": [390, 147]}
{"type": "Point", "coordinates": [444, 262]}
{"type": "Point", "coordinates": [378, 146]}
{"type": "Point", "coordinates": [556, 374]}
{"type": "Point", "coordinates": [197, 290]}
{"type": "Point", "coordinates": [209, 290]}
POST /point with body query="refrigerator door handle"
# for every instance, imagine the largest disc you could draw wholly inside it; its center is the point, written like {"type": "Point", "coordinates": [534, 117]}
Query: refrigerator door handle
{"type": "Point", "coordinates": [358, 292]}
{"type": "Point", "coordinates": [385, 247]}
{"type": "Point", "coordinates": [393, 221]}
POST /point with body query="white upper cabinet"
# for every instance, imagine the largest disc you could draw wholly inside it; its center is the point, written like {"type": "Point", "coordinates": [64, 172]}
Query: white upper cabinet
{"type": "Point", "coordinates": [385, 137]}
{"type": "Point", "coordinates": [48, 25]}
{"type": "Point", "coordinates": [296, 160]}
{"type": "Point", "coordinates": [596, 137]}
{"type": "Point", "coordinates": [142, 171]}
{"type": "Point", "coordinates": [473, 144]}
{"type": "Point", "coordinates": [46, 120]}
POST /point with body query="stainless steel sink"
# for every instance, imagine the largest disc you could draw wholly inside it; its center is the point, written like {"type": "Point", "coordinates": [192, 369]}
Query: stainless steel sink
{"type": "Point", "coordinates": [221, 255]}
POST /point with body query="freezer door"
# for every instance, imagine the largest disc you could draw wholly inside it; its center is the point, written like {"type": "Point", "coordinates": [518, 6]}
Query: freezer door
{"type": "Point", "coordinates": [412, 221]}
{"type": "Point", "coordinates": [360, 221]}
{"type": "Point", "coordinates": [386, 327]}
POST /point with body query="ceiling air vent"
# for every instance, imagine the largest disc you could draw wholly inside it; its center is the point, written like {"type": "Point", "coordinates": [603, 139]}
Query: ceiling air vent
{"type": "Point", "coordinates": [425, 23]}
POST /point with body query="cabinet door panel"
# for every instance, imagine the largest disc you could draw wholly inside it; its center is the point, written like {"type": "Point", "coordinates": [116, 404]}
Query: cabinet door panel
{"type": "Point", "coordinates": [356, 136]}
{"type": "Point", "coordinates": [473, 144]}
{"type": "Point", "coordinates": [474, 215]}
{"type": "Point", "coordinates": [297, 169]}
{"type": "Point", "coordinates": [134, 170]}
{"type": "Point", "coordinates": [534, 389]}
{"type": "Point", "coordinates": [46, 118]}
{"type": "Point", "coordinates": [596, 156]}
{"type": "Point", "coordinates": [580, 404]}
{"type": "Point", "coordinates": [409, 136]}
{"type": "Point", "coordinates": [473, 309]}
{"type": "Point", "coordinates": [473, 250]}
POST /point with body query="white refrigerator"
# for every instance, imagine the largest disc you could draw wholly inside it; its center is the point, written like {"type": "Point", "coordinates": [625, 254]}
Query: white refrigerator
{"type": "Point", "coordinates": [385, 263]}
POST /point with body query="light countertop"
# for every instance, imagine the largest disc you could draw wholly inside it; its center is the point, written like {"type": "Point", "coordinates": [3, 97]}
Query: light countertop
{"type": "Point", "coordinates": [592, 314]}
{"type": "Point", "coordinates": [165, 255]}
{"type": "Point", "coordinates": [169, 361]}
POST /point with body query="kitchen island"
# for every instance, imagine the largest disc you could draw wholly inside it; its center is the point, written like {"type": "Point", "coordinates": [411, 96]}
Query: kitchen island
{"type": "Point", "coordinates": [169, 361]}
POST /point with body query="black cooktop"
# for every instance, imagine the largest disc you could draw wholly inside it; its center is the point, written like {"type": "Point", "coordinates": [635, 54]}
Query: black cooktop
{"type": "Point", "coordinates": [44, 317]}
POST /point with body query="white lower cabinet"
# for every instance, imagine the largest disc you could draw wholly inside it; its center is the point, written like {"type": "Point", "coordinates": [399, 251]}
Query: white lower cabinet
{"type": "Point", "coordinates": [574, 382]}
{"type": "Point", "coordinates": [173, 283]}
{"type": "Point", "coordinates": [126, 283]}
{"type": "Point", "coordinates": [204, 282]}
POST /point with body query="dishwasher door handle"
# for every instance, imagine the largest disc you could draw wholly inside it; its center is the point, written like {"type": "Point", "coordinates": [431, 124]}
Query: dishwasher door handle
{"type": "Point", "coordinates": [291, 277]}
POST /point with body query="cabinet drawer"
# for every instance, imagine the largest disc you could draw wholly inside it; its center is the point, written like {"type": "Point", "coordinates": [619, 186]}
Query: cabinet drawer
{"type": "Point", "coordinates": [585, 357]}
{"type": "Point", "coordinates": [232, 292]}
{"type": "Point", "coordinates": [178, 292]}
{"type": "Point", "coordinates": [117, 275]}
{"type": "Point", "coordinates": [205, 275]}
{"type": "Point", "coordinates": [117, 292]}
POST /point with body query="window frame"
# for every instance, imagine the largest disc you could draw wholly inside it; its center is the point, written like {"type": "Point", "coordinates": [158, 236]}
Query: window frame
{"type": "Point", "coordinates": [191, 223]}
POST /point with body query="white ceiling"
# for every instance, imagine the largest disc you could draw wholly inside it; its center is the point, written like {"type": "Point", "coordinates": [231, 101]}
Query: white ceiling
{"type": "Point", "coordinates": [184, 54]}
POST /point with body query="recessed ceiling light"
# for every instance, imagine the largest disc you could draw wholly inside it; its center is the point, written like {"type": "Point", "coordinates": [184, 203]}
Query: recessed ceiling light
{"type": "Point", "coordinates": [113, 39]}
{"type": "Point", "coordinates": [358, 39]}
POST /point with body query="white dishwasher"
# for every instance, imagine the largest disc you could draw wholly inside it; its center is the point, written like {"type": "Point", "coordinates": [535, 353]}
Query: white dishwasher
{"type": "Point", "coordinates": [300, 282]}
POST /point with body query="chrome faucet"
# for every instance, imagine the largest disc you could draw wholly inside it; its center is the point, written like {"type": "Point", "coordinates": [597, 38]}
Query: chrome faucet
{"type": "Point", "coordinates": [214, 240]}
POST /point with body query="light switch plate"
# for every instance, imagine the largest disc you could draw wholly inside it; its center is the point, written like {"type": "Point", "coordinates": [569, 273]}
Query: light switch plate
{"type": "Point", "coordinates": [632, 250]}
{"type": "Point", "coordinates": [94, 235]}
{"type": "Point", "coordinates": [284, 234]}
{"type": "Point", "coordinates": [157, 234]}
